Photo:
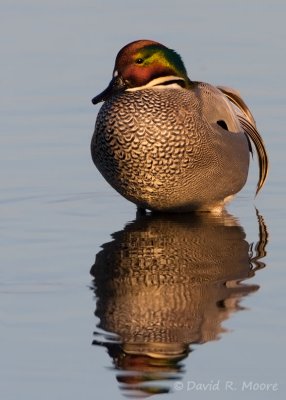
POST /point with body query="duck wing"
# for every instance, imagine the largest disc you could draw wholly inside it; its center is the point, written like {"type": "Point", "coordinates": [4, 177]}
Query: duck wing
{"type": "Point", "coordinates": [247, 123]}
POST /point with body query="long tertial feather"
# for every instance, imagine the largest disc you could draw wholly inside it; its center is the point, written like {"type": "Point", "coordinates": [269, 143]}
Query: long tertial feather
{"type": "Point", "coordinates": [248, 125]}
{"type": "Point", "coordinates": [234, 96]}
{"type": "Point", "coordinates": [254, 135]}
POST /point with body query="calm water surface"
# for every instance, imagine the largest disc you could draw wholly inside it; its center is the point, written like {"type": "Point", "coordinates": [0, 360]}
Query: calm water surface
{"type": "Point", "coordinates": [94, 302]}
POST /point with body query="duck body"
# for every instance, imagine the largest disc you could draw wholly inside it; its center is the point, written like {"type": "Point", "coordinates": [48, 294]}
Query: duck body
{"type": "Point", "coordinates": [168, 145]}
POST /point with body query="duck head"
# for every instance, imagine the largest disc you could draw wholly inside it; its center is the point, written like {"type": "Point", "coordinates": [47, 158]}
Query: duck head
{"type": "Point", "coordinates": [141, 62]}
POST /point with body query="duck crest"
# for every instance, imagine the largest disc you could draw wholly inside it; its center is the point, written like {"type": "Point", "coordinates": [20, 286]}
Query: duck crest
{"type": "Point", "coordinates": [164, 149]}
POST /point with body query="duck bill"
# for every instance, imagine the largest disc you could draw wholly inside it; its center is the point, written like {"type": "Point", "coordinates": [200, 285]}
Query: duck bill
{"type": "Point", "coordinates": [116, 86]}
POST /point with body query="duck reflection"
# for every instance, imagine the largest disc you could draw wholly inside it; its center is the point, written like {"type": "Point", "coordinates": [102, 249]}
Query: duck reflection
{"type": "Point", "coordinates": [166, 282]}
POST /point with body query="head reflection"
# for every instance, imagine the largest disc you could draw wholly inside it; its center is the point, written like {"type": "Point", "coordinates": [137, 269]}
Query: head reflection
{"type": "Point", "coordinates": [166, 282]}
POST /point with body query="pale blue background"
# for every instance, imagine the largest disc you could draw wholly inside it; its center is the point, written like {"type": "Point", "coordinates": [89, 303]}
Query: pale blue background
{"type": "Point", "coordinates": [56, 210]}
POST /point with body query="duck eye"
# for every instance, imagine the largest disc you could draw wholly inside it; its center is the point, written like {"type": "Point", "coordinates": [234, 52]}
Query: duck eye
{"type": "Point", "coordinates": [139, 61]}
